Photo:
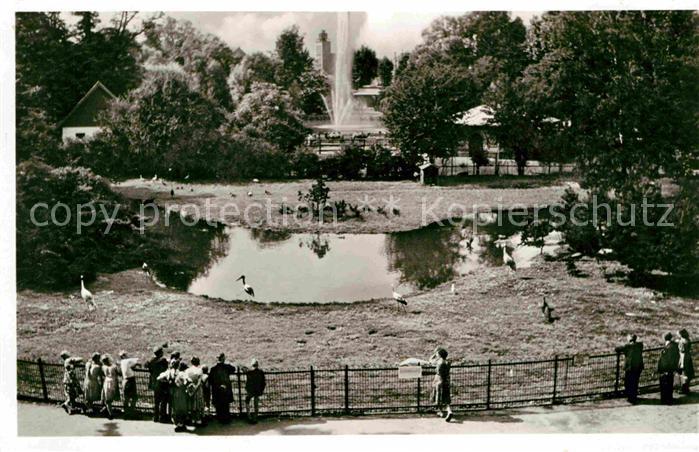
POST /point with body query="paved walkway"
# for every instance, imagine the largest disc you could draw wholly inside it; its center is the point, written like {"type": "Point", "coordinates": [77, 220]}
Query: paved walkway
{"type": "Point", "coordinates": [614, 416]}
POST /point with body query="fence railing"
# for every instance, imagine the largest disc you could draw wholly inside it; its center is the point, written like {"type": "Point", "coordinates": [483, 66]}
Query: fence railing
{"type": "Point", "coordinates": [346, 390]}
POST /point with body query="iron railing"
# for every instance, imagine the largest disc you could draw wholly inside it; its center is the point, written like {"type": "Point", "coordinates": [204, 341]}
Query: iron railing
{"type": "Point", "coordinates": [316, 391]}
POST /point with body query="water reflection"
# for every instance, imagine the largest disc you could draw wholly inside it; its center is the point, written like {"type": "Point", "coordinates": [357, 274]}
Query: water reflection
{"type": "Point", "coordinates": [293, 268]}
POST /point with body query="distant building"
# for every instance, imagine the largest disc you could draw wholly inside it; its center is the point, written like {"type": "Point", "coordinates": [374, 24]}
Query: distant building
{"type": "Point", "coordinates": [325, 59]}
{"type": "Point", "coordinates": [83, 120]}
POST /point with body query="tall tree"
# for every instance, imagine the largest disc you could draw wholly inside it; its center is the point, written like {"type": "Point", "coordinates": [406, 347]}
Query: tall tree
{"type": "Point", "coordinates": [385, 70]}
{"type": "Point", "coordinates": [293, 57]}
{"type": "Point", "coordinates": [364, 66]}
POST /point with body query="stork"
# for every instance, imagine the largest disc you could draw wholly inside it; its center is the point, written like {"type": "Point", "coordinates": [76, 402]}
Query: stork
{"type": "Point", "coordinates": [507, 259]}
{"type": "Point", "coordinates": [547, 310]}
{"type": "Point", "coordinates": [247, 287]}
{"type": "Point", "coordinates": [86, 294]}
{"type": "Point", "coordinates": [155, 178]}
{"type": "Point", "coordinates": [453, 289]}
{"type": "Point", "coordinates": [399, 298]}
{"type": "Point", "coordinates": [145, 269]}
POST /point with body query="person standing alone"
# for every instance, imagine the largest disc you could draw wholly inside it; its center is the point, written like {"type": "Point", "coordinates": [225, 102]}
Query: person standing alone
{"type": "Point", "coordinates": [441, 385]}
{"type": "Point", "coordinates": [633, 366]}
{"type": "Point", "coordinates": [254, 387]}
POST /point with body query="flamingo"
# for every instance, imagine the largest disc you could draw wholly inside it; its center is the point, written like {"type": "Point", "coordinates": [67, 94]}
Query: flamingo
{"type": "Point", "coordinates": [399, 298]}
{"type": "Point", "coordinates": [86, 294]}
{"type": "Point", "coordinates": [247, 287]}
{"type": "Point", "coordinates": [507, 259]}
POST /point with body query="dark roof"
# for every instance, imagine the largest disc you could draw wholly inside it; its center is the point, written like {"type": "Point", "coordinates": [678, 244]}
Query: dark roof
{"type": "Point", "coordinates": [85, 112]}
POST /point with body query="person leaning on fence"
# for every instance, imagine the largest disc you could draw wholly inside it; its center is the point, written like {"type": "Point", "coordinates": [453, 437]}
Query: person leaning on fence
{"type": "Point", "coordinates": [71, 383]}
{"type": "Point", "coordinates": [94, 378]}
{"type": "Point", "coordinates": [686, 365]}
{"type": "Point", "coordinates": [161, 391]}
{"type": "Point", "coordinates": [667, 366]}
{"type": "Point", "coordinates": [221, 388]}
{"type": "Point", "coordinates": [633, 366]}
{"type": "Point", "coordinates": [441, 391]}
{"type": "Point", "coordinates": [110, 385]}
{"type": "Point", "coordinates": [130, 391]}
{"type": "Point", "coordinates": [254, 388]}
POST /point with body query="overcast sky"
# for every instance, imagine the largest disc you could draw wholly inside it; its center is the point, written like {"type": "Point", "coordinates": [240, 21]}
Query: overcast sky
{"type": "Point", "coordinates": [385, 32]}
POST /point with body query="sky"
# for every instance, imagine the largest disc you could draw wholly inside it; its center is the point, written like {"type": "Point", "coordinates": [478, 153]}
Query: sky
{"type": "Point", "coordinates": [386, 32]}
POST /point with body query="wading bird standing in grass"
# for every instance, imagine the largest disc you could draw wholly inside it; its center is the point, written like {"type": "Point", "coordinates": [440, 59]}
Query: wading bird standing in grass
{"type": "Point", "coordinates": [399, 298]}
{"type": "Point", "coordinates": [86, 294]}
{"type": "Point", "coordinates": [247, 287]}
{"type": "Point", "coordinates": [145, 269]}
{"type": "Point", "coordinates": [507, 259]}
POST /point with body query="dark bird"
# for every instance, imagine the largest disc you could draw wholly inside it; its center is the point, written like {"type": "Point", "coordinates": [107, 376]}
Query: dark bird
{"type": "Point", "coordinates": [247, 287]}
{"type": "Point", "coordinates": [507, 259]}
{"type": "Point", "coordinates": [469, 243]}
{"type": "Point", "coordinates": [267, 193]}
{"type": "Point", "coordinates": [547, 310]}
{"type": "Point", "coordinates": [172, 193]}
{"type": "Point", "coordinates": [399, 298]}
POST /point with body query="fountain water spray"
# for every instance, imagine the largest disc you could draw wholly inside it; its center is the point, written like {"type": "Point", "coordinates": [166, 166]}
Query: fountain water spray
{"type": "Point", "coordinates": [341, 93]}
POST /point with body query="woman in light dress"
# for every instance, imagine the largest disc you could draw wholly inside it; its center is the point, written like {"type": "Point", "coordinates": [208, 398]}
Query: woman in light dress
{"type": "Point", "coordinates": [94, 377]}
{"type": "Point", "coordinates": [196, 390]}
{"type": "Point", "coordinates": [180, 393]}
{"type": "Point", "coordinates": [110, 386]}
{"type": "Point", "coordinates": [686, 367]}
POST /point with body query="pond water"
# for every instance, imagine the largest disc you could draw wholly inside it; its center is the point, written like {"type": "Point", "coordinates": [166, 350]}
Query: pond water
{"type": "Point", "coordinates": [321, 268]}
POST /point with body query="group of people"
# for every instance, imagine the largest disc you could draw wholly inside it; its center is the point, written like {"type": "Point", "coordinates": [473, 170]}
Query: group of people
{"type": "Point", "coordinates": [675, 360]}
{"type": "Point", "coordinates": [182, 392]}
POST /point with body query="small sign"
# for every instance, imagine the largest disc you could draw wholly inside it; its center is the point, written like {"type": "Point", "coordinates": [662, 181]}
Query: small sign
{"type": "Point", "coordinates": [409, 372]}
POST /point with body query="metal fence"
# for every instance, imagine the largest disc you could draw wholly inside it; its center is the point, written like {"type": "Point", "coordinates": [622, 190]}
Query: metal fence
{"type": "Point", "coordinates": [483, 386]}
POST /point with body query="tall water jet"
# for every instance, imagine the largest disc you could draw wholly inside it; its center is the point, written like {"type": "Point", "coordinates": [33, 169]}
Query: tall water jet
{"type": "Point", "coordinates": [341, 93]}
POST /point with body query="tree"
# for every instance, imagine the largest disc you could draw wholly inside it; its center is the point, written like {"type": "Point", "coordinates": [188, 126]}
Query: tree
{"type": "Point", "coordinates": [364, 66]}
{"type": "Point", "coordinates": [385, 70]}
{"type": "Point", "coordinates": [403, 61]}
{"type": "Point", "coordinates": [420, 109]}
{"type": "Point", "coordinates": [268, 113]}
{"type": "Point", "coordinates": [254, 68]}
{"type": "Point", "coordinates": [205, 59]}
{"type": "Point", "coordinates": [293, 57]}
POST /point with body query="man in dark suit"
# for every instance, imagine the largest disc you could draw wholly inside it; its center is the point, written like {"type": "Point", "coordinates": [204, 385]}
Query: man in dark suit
{"type": "Point", "coordinates": [633, 366]}
{"type": "Point", "coordinates": [667, 366]}
{"type": "Point", "coordinates": [156, 366]}
{"type": "Point", "coordinates": [222, 388]}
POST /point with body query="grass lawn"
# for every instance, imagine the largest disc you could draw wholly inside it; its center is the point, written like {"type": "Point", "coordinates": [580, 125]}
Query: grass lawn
{"type": "Point", "coordinates": [495, 314]}
{"type": "Point", "coordinates": [418, 205]}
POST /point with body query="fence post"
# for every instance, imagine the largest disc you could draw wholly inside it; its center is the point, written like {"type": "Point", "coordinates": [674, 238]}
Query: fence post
{"type": "Point", "coordinates": [487, 394]}
{"type": "Point", "coordinates": [346, 389]}
{"type": "Point", "coordinates": [240, 392]}
{"type": "Point", "coordinates": [616, 378]}
{"type": "Point", "coordinates": [418, 394]}
{"type": "Point", "coordinates": [555, 379]}
{"type": "Point", "coordinates": [313, 392]}
{"type": "Point", "coordinates": [42, 375]}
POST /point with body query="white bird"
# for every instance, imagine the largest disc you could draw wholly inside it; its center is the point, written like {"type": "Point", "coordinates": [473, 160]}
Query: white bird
{"type": "Point", "coordinates": [507, 259]}
{"type": "Point", "coordinates": [256, 180]}
{"type": "Point", "coordinates": [399, 298]}
{"type": "Point", "coordinates": [140, 177]}
{"type": "Point", "coordinates": [249, 193]}
{"type": "Point", "coordinates": [186, 177]}
{"type": "Point", "coordinates": [86, 294]}
{"type": "Point", "coordinates": [247, 287]}
{"type": "Point", "coordinates": [453, 289]}
{"type": "Point", "coordinates": [155, 178]}
{"type": "Point", "coordinates": [145, 268]}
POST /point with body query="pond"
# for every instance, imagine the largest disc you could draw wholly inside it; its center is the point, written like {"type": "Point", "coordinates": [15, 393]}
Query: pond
{"type": "Point", "coordinates": [321, 268]}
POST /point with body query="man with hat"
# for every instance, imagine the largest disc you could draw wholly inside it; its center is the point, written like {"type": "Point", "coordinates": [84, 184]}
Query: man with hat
{"type": "Point", "coordinates": [222, 388]}
{"type": "Point", "coordinates": [633, 366]}
{"type": "Point", "coordinates": [254, 387]}
{"type": "Point", "coordinates": [156, 366]}
{"type": "Point", "coordinates": [71, 382]}
{"type": "Point", "coordinates": [130, 393]}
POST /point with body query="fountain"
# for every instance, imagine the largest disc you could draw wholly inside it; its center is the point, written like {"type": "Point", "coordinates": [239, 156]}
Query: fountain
{"type": "Point", "coordinates": [346, 115]}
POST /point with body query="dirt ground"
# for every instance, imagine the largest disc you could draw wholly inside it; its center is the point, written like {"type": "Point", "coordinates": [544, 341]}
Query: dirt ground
{"type": "Point", "coordinates": [614, 416]}
{"type": "Point", "coordinates": [494, 314]}
{"type": "Point", "coordinates": [418, 205]}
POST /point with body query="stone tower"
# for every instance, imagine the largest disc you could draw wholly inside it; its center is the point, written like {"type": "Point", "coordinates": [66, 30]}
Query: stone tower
{"type": "Point", "coordinates": [324, 59]}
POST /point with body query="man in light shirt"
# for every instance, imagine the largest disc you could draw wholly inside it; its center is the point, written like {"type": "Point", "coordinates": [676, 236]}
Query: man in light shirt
{"type": "Point", "coordinates": [129, 377]}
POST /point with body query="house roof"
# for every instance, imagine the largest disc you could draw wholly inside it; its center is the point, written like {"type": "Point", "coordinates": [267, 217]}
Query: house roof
{"type": "Point", "coordinates": [481, 115]}
{"type": "Point", "coordinates": [85, 112]}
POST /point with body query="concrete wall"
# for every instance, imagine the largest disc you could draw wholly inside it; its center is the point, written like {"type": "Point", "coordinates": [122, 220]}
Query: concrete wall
{"type": "Point", "coordinates": [73, 132]}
